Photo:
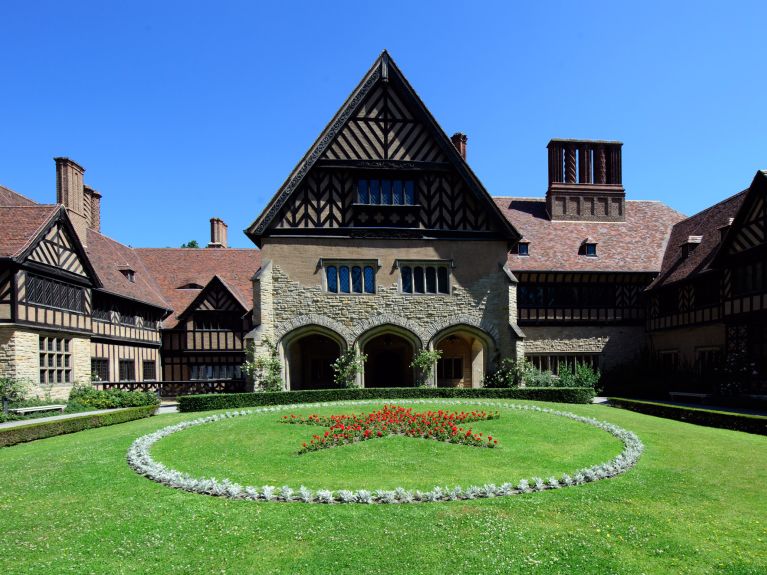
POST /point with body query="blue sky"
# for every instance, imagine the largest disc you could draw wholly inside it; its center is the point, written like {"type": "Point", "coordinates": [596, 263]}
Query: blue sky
{"type": "Point", "coordinates": [181, 111]}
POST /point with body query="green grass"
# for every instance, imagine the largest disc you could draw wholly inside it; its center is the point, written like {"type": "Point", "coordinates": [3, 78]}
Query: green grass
{"type": "Point", "coordinates": [264, 453]}
{"type": "Point", "coordinates": [695, 503]}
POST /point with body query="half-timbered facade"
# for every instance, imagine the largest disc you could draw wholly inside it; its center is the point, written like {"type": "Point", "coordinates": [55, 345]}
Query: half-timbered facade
{"type": "Point", "coordinates": [707, 307]}
{"type": "Point", "coordinates": [383, 240]}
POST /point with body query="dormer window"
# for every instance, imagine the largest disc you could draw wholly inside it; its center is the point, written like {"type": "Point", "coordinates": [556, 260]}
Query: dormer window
{"type": "Point", "coordinates": [523, 248]}
{"type": "Point", "coordinates": [190, 286]}
{"type": "Point", "coordinates": [588, 248]}
{"type": "Point", "coordinates": [129, 274]}
{"type": "Point", "coordinates": [689, 246]}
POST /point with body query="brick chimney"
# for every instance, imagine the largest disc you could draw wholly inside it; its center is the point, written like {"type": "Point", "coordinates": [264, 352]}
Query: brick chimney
{"type": "Point", "coordinates": [585, 181]}
{"type": "Point", "coordinates": [217, 233]}
{"type": "Point", "coordinates": [70, 192]}
{"type": "Point", "coordinates": [92, 208]}
{"type": "Point", "coordinates": [459, 140]}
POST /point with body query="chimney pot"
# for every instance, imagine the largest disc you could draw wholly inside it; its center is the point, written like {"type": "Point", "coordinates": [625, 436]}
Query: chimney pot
{"type": "Point", "coordinates": [218, 231]}
{"type": "Point", "coordinates": [459, 140]}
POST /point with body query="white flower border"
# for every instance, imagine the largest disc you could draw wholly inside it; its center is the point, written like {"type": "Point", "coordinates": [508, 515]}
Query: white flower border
{"type": "Point", "coordinates": [140, 459]}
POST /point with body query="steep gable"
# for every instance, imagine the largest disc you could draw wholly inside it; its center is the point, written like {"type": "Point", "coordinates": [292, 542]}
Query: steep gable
{"type": "Point", "coordinates": [57, 249]}
{"type": "Point", "coordinates": [216, 296]}
{"type": "Point", "coordinates": [383, 168]}
{"type": "Point", "coordinates": [749, 228]}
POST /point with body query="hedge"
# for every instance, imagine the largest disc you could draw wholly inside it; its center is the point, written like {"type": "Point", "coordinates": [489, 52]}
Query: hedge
{"type": "Point", "coordinates": [22, 433]}
{"type": "Point", "coordinates": [708, 417]}
{"type": "Point", "coordinates": [235, 400]}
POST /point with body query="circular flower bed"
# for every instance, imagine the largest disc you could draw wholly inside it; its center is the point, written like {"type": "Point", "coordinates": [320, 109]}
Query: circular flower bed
{"type": "Point", "coordinates": [140, 459]}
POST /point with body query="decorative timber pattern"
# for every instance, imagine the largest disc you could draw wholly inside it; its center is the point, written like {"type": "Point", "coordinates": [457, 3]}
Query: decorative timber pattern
{"type": "Point", "coordinates": [6, 295]}
{"type": "Point", "coordinates": [218, 299]}
{"type": "Point", "coordinates": [753, 232]}
{"type": "Point", "coordinates": [56, 250]}
{"type": "Point", "coordinates": [385, 129]}
{"type": "Point", "coordinates": [29, 311]}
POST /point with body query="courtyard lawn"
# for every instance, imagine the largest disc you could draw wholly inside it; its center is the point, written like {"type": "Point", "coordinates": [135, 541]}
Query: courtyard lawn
{"type": "Point", "coordinates": [695, 503]}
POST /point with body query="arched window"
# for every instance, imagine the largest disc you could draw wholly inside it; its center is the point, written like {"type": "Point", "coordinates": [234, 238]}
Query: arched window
{"type": "Point", "coordinates": [331, 273]}
{"type": "Point", "coordinates": [407, 279]}
{"type": "Point", "coordinates": [343, 279]}
{"type": "Point", "coordinates": [418, 279]}
{"type": "Point", "coordinates": [357, 279]}
{"type": "Point", "coordinates": [370, 280]}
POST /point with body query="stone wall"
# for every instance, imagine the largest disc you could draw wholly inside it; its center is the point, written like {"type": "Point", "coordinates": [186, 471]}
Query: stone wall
{"type": "Point", "coordinates": [20, 359]}
{"type": "Point", "coordinates": [617, 344]}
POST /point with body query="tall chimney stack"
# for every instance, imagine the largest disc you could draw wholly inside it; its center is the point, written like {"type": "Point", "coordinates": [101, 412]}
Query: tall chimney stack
{"type": "Point", "coordinates": [70, 192]}
{"type": "Point", "coordinates": [93, 211]}
{"type": "Point", "coordinates": [217, 233]}
{"type": "Point", "coordinates": [459, 140]}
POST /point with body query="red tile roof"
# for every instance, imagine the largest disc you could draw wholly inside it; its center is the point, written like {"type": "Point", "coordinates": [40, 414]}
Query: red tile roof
{"type": "Point", "coordinates": [19, 225]}
{"type": "Point", "coordinates": [108, 257]}
{"type": "Point", "coordinates": [635, 245]}
{"type": "Point", "coordinates": [10, 198]}
{"type": "Point", "coordinates": [177, 267]}
{"type": "Point", "coordinates": [705, 224]}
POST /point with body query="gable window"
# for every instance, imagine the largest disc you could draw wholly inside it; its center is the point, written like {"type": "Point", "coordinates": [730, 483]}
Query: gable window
{"type": "Point", "coordinates": [590, 249]}
{"type": "Point", "coordinates": [99, 369]}
{"type": "Point", "coordinates": [129, 274]}
{"type": "Point", "coordinates": [55, 360]}
{"type": "Point", "coordinates": [424, 278]}
{"type": "Point", "coordinates": [51, 293]}
{"type": "Point", "coordinates": [523, 248]}
{"type": "Point", "coordinates": [386, 192]}
{"type": "Point", "coordinates": [127, 370]}
{"type": "Point", "coordinates": [215, 321]}
{"type": "Point", "coordinates": [350, 277]}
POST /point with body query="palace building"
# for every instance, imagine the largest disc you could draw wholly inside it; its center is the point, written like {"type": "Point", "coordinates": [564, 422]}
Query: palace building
{"type": "Point", "coordinates": [383, 240]}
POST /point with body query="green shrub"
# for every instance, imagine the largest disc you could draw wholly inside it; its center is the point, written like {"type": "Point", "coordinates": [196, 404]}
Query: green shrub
{"type": "Point", "coordinates": [347, 366]}
{"type": "Point", "coordinates": [84, 397]}
{"type": "Point", "coordinates": [423, 363]}
{"type": "Point", "coordinates": [508, 373]}
{"type": "Point", "coordinates": [537, 378]}
{"type": "Point", "coordinates": [22, 433]}
{"type": "Point", "coordinates": [708, 417]}
{"type": "Point", "coordinates": [580, 375]}
{"type": "Point", "coordinates": [264, 371]}
{"type": "Point", "coordinates": [237, 400]}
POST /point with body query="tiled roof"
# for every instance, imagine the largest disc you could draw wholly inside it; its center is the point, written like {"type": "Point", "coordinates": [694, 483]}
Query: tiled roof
{"type": "Point", "coordinates": [19, 225]}
{"type": "Point", "coordinates": [635, 245]}
{"type": "Point", "coordinates": [10, 198]}
{"type": "Point", "coordinates": [177, 267]}
{"type": "Point", "coordinates": [705, 224]}
{"type": "Point", "coordinates": [108, 257]}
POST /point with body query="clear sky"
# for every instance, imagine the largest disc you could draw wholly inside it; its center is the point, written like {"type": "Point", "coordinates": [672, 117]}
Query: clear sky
{"type": "Point", "coordinates": [181, 111]}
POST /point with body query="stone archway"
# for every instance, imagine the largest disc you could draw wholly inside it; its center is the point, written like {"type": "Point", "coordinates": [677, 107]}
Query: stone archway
{"type": "Point", "coordinates": [308, 354]}
{"type": "Point", "coordinates": [390, 350]}
{"type": "Point", "coordinates": [466, 351]}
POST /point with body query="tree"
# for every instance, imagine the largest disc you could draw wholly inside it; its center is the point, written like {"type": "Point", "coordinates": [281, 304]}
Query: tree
{"type": "Point", "coordinates": [264, 370]}
{"type": "Point", "coordinates": [346, 368]}
{"type": "Point", "coordinates": [12, 390]}
{"type": "Point", "coordinates": [191, 244]}
{"type": "Point", "coordinates": [424, 363]}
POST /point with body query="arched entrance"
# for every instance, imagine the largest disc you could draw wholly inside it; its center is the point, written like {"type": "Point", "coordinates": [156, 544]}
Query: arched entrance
{"type": "Point", "coordinates": [388, 361]}
{"type": "Point", "coordinates": [310, 361]}
{"type": "Point", "coordinates": [464, 354]}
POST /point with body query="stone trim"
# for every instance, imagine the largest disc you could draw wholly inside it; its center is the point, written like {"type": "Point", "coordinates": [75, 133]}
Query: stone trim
{"type": "Point", "coordinates": [422, 335]}
{"type": "Point", "coordinates": [318, 320]}
{"type": "Point", "coordinates": [435, 328]}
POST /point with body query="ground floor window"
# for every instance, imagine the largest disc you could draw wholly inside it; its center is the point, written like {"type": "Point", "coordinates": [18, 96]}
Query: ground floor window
{"type": "Point", "coordinates": [149, 370]}
{"type": "Point", "coordinates": [450, 368]}
{"type": "Point", "coordinates": [99, 369]}
{"type": "Point", "coordinates": [55, 360]}
{"type": "Point", "coordinates": [668, 359]}
{"type": "Point", "coordinates": [216, 371]}
{"type": "Point", "coordinates": [556, 362]}
{"type": "Point", "coordinates": [708, 359]}
{"type": "Point", "coordinates": [127, 370]}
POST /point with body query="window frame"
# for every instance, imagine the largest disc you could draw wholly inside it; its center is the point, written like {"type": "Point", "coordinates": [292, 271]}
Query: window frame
{"type": "Point", "coordinates": [126, 362]}
{"type": "Point", "coordinates": [350, 264]}
{"type": "Point", "coordinates": [55, 363]}
{"type": "Point", "coordinates": [104, 361]}
{"type": "Point", "coordinates": [424, 265]}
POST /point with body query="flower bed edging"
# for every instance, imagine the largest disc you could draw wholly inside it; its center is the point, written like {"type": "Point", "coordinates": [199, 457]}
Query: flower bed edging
{"type": "Point", "coordinates": [141, 461]}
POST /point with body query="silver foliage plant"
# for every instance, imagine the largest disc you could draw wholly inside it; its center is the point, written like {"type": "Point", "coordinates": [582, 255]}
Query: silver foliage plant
{"type": "Point", "coordinates": [141, 461]}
